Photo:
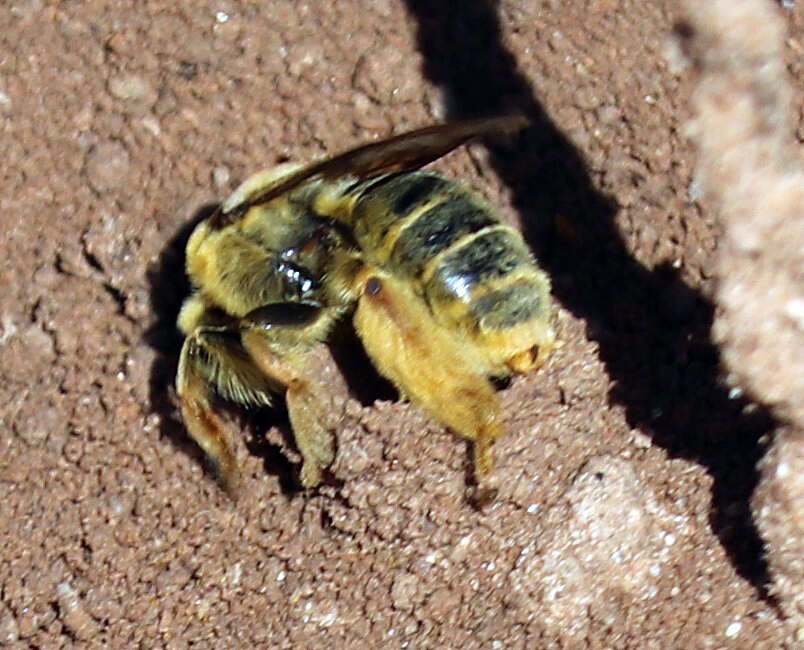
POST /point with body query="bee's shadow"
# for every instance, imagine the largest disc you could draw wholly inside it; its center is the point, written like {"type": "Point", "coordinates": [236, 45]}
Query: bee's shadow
{"type": "Point", "coordinates": [169, 286]}
{"type": "Point", "coordinates": [651, 327]}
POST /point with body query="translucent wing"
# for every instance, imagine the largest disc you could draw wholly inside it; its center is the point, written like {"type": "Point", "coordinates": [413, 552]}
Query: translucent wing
{"type": "Point", "coordinates": [399, 153]}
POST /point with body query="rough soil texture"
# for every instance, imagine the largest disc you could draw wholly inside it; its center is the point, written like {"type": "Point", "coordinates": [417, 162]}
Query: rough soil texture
{"type": "Point", "coordinates": [623, 518]}
{"type": "Point", "coordinates": [752, 169]}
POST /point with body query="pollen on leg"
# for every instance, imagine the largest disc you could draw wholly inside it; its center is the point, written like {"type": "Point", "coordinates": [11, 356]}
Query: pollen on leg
{"type": "Point", "coordinates": [523, 361]}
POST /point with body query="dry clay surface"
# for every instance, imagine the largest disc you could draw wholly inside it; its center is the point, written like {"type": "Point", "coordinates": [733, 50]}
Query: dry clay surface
{"type": "Point", "coordinates": [623, 516]}
{"type": "Point", "coordinates": [751, 167]}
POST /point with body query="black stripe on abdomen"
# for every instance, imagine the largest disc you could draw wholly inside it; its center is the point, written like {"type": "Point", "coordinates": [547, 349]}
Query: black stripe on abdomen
{"type": "Point", "coordinates": [382, 203]}
{"type": "Point", "coordinates": [488, 256]}
{"type": "Point", "coordinates": [435, 230]}
{"type": "Point", "coordinates": [505, 308]}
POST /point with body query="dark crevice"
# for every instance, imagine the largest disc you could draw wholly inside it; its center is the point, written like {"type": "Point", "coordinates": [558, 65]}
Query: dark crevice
{"type": "Point", "coordinates": [169, 286]}
{"type": "Point", "coordinates": [118, 296]}
{"type": "Point", "coordinates": [92, 260]}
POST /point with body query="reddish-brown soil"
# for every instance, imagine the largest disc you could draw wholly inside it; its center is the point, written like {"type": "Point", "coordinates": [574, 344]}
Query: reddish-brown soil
{"type": "Point", "coordinates": [623, 518]}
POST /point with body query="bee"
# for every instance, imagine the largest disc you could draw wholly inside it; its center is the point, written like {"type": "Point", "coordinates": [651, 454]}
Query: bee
{"type": "Point", "coordinates": [443, 295]}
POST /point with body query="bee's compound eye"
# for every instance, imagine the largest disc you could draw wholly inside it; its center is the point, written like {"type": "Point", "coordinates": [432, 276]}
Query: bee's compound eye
{"type": "Point", "coordinates": [373, 286]}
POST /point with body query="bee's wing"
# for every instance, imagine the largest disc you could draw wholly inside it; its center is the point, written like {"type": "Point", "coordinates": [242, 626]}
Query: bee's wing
{"type": "Point", "coordinates": [400, 153]}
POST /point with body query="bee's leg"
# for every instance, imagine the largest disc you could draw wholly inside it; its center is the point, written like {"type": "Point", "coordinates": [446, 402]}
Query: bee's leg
{"type": "Point", "coordinates": [212, 360]}
{"type": "Point", "coordinates": [278, 338]}
{"type": "Point", "coordinates": [433, 367]}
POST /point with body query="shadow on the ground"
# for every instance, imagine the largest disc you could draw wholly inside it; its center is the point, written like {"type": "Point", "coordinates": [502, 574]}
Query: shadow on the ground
{"type": "Point", "coordinates": [652, 329]}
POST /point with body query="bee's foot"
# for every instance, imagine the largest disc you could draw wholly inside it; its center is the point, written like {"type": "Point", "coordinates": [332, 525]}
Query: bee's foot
{"type": "Point", "coordinates": [310, 474]}
{"type": "Point", "coordinates": [481, 496]}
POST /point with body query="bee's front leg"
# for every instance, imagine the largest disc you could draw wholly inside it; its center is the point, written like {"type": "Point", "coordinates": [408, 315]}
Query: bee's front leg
{"type": "Point", "coordinates": [279, 338]}
{"type": "Point", "coordinates": [213, 361]}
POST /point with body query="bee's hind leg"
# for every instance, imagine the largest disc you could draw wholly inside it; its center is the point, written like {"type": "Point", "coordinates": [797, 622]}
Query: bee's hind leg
{"type": "Point", "coordinates": [432, 366]}
{"type": "Point", "coordinates": [278, 338]}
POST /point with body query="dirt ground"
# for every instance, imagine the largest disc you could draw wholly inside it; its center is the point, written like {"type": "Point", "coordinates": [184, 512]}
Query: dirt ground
{"type": "Point", "coordinates": [623, 518]}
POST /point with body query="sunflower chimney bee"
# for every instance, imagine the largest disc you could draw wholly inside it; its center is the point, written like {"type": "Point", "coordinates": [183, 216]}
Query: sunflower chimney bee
{"type": "Point", "coordinates": [441, 293]}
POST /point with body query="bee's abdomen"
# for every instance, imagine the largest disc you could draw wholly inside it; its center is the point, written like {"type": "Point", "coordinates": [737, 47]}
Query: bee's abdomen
{"type": "Point", "coordinates": [470, 267]}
